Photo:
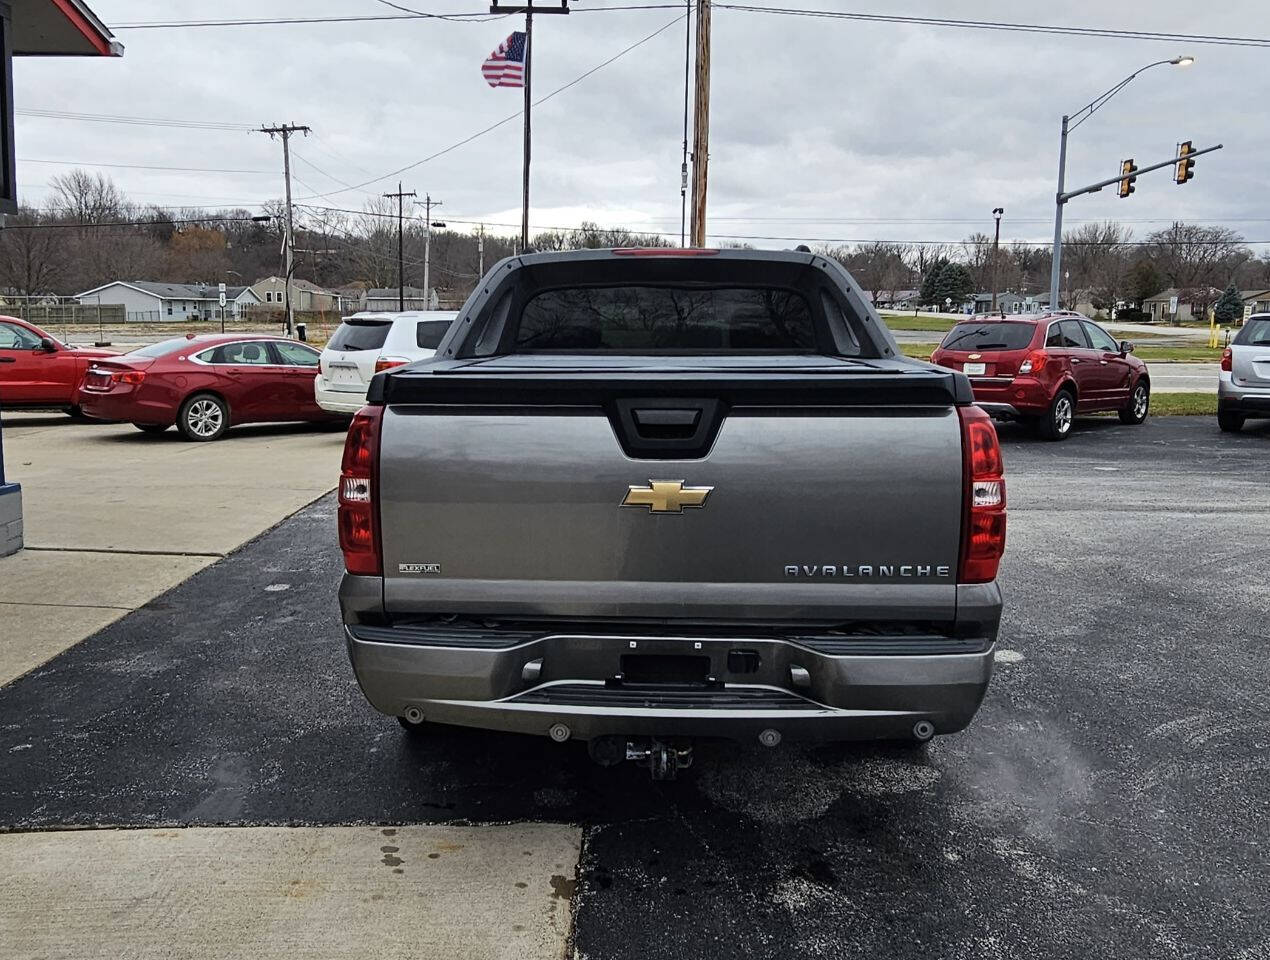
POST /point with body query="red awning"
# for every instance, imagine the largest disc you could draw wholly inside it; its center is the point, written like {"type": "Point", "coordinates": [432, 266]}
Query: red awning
{"type": "Point", "coordinates": [60, 28]}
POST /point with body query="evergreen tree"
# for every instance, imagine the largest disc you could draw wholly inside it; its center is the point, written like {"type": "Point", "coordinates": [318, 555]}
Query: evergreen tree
{"type": "Point", "coordinates": [955, 283]}
{"type": "Point", "coordinates": [1230, 307]}
{"type": "Point", "coordinates": [929, 294]}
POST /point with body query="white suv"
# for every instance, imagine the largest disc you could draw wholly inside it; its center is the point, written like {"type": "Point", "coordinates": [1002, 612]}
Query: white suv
{"type": "Point", "coordinates": [367, 343]}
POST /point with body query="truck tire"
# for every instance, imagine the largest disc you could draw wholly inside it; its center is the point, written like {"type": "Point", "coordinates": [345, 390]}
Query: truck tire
{"type": "Point", "coordinates": [1139, 404]}
{"type": "Point", "coordinates": [1056, 423]}
{"type": "Point", "coordinates": [203, 417]}
{"type": "Point", "coordinates": [1230, 422]}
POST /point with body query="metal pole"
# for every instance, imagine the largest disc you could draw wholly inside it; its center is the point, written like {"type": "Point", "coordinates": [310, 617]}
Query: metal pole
{"type": "Point", "coordinates": [701, 126]}
{"type": "Point", "coordinates": [683, 167]}
{"type": "Point", "coordinates": [401, 253]}
{"type": "Point", "coordinates": [427, 250]}
{"type": "Point", "coordinates": [1057, 254]}
{"type": "Point", "coordinates": [524, 213]}
{"type": "Point", "coordinates": [996, 244]}
{"type": "Point", "coordinates": [480, 253]}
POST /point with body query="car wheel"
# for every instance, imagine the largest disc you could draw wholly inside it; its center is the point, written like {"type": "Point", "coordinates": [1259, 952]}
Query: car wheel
{"type": "Point", "coordinates": [1230, 422]}
{"type": "Point", "coordinates": [151, 427]}
{"type": "Point", "coordinates": [1139, 404]}
{"type": "Point", "coordinates": [203, 417]}
{"type": "Point", "coordinates": [1056, 424]}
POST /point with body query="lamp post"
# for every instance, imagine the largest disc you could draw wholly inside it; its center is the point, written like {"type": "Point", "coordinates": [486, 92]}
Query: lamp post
{"type": "Point", "coordinates": [996, 243]}
{"type": "Point", "coordinates": [1070, 123]}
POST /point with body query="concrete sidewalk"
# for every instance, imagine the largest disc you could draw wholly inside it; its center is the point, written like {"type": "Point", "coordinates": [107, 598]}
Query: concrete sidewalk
{"type": "Point", "coordinates": [490, 892]}
{"type": "Point", "coordinates": [115, 517]}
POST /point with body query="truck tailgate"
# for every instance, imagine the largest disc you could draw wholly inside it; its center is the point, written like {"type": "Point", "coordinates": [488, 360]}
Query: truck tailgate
{"type": "Point", "coordinates": [827, 500]}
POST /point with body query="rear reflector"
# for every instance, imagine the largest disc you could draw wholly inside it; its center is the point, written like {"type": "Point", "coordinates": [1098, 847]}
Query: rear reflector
{"type": "Point", "coordinates": [983, 520]}
{"type": "Point", "coordinates": [358, 512]}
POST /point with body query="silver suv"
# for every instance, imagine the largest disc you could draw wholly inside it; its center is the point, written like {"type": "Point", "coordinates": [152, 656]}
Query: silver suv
{"type": "Point", "coordinates": [1243, 387]}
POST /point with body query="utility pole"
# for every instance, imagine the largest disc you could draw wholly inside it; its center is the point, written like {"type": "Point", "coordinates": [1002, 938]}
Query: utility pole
{"type": "Point", "coordinates": [428, 204]}
{"type": "Point", "coordinates": [401, 254]}
{"type": "Point", "coordinates": [701, 126]}
{"type": "Point", "coordinates": [480, 252]}
{"type": "Point", "coordinates": [996, 243]}
{"type": "Point", "coordinates": [285, 130]}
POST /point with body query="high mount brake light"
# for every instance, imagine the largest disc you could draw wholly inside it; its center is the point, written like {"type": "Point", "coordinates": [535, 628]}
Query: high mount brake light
{"type": "Point", "coordinates": [358, 512]}
{"type": "Point", "coordinates": [1033, 362]}
{"type": "Point", "coordinates": [983, 519]}
{"type": "Point", "coordinates": [1227, 360]}
{"type": "Point", "coordinates": [664, 252]}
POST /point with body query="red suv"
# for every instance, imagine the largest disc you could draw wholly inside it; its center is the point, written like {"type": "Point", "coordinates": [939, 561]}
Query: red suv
{"type": "Point", "coordinates": [1046, 369]}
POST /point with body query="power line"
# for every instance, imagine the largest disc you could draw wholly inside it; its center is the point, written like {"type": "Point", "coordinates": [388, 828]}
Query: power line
{"type": "Point", "coordinates": [1003, 26]}
{"type": "Point", "coordinates": [49, 114]}
{"type": "Point", "coordinates": [143, 166]}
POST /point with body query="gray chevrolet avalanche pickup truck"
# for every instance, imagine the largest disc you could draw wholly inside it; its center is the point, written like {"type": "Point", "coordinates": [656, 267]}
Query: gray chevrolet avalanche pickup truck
{"type": "Point", "coordinates": [641, 496]}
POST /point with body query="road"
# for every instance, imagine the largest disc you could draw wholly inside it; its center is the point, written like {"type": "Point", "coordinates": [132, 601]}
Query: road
{"type": "Point", "coordinates": [1112, 800]}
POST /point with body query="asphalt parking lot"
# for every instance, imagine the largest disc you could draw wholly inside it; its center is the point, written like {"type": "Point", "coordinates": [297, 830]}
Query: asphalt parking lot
{"type": "Point", "coordinates": [1111, 800]}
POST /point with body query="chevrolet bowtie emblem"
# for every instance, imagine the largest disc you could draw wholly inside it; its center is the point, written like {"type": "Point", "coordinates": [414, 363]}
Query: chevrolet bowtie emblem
{"type": "Point", "coordinates": [666, 496]}
{"type": "Point", "coordinates": [975, 356]}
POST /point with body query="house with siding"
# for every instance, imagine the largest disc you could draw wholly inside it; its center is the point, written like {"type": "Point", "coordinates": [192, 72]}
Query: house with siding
{"type": "Point", "coordinates": [305, 295]}
{"type": "Point", "coordinates": [146, 301]}
{"type": "Point", "coordinates": [385, 299]}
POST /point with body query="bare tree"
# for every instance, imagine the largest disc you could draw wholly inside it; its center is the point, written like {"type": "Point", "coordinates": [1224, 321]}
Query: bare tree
{"type": "Point", "coordinates": [976, 254]}
{"type": "Point", "coordinates": [1096, 256]}
{"type": "Point", "coordinates": [1196, 258]}
{"type": "Point", "coordinates": [32, 255]}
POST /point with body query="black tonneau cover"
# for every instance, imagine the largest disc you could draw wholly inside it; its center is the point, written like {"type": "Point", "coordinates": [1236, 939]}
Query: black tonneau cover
{"type": "Point", "coordinates": [550, 380]}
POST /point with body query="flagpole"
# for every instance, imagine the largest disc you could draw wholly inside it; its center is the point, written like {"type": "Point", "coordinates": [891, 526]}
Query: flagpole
{"type": "Point", "coordinates": [524, 213]}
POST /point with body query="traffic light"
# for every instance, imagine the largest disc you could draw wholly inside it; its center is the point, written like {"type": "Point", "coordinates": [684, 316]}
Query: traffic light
{"type": "Point", "coordinates": [1128, 170]}
{"type": "Point", "coordinates": [1185, 165]}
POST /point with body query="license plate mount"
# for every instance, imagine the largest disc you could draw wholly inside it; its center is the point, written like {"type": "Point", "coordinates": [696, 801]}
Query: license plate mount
{"type": "Point", "coordinates": [974, 369]}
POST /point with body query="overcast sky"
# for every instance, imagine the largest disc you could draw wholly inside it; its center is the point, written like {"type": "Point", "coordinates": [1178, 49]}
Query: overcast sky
{"type": "Point", "coordinates": [821, 130]}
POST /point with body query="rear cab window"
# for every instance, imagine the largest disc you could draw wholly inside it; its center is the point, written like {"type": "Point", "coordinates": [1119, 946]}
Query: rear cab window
{"type": "Point", "coordinates": [1254, 333]}
{"type": "Point", "coordinates": [355, 335]}
{"type": "Point", "coordinates": [1009, 335]}
{"type": "Point", "coordinates": [666, 319]}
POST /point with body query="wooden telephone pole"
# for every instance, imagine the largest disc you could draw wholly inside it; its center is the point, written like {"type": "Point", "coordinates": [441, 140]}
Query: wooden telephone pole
{"type": "Point", "coordinates": [701, 126]}
{"type": "Point", "coordinates": [285, 130]}
{"type": "Point", "coordinates": [401, 254]}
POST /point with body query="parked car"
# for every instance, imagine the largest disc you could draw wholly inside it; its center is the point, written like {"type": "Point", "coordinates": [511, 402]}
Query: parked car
{"type": "Point", "coordinates": [1046, 369]}
{"type": "Point", "coordinates": [205, 384]}
{"type": "Point", "coordinates": [1243, 385]}
{"type": "Point", "coordinates": [641, 496]}
{"type": "Point", "coordinates": [39, 370]}
{"type": "Point", "coordinates": [366, 343]}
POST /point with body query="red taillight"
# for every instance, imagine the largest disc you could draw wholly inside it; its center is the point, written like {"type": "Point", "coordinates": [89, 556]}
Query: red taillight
{"type": "Point", "coordinates": [983, 526]}
{"type": "Point", "coordinates": [1033, 362]}
{"type": "Point", "coordinates": [128, 376]}
{"type": "Point", "coordinates": [358, 512]}
{"type": "Point", "coordinates": [387, 363]}
{"type": "Point", "coordinates": [1227, 360]}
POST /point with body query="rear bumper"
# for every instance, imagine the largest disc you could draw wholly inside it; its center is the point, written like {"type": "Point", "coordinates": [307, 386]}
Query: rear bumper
{"type": "Point", "coordinates": [1010, 396]}
{"type": "Point", "coordinates": [337, 401]}
{"type": "Point", "coordinates": [125, 407]}
{"type": "Point", "coordinates": [814, 690]}
{"type": "Point", "coordinates": [1247, 401]}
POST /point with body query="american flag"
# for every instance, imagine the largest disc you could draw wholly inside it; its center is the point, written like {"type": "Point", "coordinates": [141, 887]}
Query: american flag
{"type": "Point", "coordinates": [505, 67]}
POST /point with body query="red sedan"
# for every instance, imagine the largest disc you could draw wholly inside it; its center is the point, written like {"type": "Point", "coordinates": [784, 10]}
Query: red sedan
{"type": "Point", "coordinates": [38, 370]}
{"type": "Point", "coordinates": [206, 384]}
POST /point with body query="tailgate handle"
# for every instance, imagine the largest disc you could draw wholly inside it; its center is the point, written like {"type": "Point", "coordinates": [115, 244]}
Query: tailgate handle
{"type": "Point", "coordinates": [667, 418]}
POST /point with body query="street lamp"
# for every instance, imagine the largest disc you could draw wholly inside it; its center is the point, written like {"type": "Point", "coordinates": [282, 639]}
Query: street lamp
{"type": "Point", "coordinates": [1071, 122]}
{"type": "Point", "coordinates": [996, 242]}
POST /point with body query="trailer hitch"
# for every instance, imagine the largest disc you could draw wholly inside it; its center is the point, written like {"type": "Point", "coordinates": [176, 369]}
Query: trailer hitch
{"type": "Point", "coordinates": [664, 759]}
